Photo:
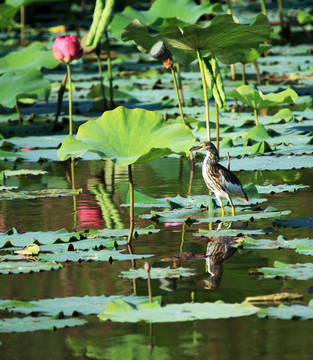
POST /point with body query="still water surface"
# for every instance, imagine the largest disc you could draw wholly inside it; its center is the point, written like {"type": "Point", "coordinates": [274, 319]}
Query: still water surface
{"type": "Point", "coordinates": [239, 338]}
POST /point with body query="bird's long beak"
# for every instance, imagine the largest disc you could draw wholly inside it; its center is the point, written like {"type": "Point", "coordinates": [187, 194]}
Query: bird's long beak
{"type": "Point", "coordinates": [197, 147]}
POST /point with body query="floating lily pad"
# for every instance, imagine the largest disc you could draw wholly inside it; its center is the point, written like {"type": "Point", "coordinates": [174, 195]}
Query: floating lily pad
{"type": "Point", "coordinates": [288, 271]}
{"type": "Point", "coordinates": [284, 312]}
{"type": "Point", "coordinates": [233, 232]}
{"type": "Point", "coordinates": [121, 311]}
{"type": "Point", "coordinates": [80, 255]}
{"type": "Point", "coordinates": [12, 238]}
{"type": "Point", "coordinates": [13, 325]}
{"type": "Point", "coordinates": [157, 273]}
{"type": "Point", "coordinates": [86, 305]}
{"type": "Point", "coordinates": [268, 189]}
{"type": "Point", "coordinates": [24, 172]}
{"type": "Point", "coordinates": [180, 215]}
{"type": "Point", "coordinates": [18, 267]}
{"type": "Point", "coordinates": [295, 222]}
{"type": "Point", "coordinates": [35, 194]}
{"type": "Point", "coordinates": [279, 243]}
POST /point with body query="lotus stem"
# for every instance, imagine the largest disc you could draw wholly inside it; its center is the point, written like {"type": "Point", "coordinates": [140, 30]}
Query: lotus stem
{"type": "Point", "coordinates": [131, 215]}
{"type": "Point", "coordinates": [180, 85]}
{"type": "Point", "coordinates": [243, 71]}
{"type": "Point", "coordinates": [264, 12]}
{"type": "Point", "coordinates": [22, 15]}
{"type": "Point", "coordinates": [228, 161]}
{"type": "Point", "coordinates": [147, 268]}
{"type": "Point", "coordinates": [60, 98]}
{"type": "Point", "coordinates": [109, 65]}
{"type": "Point", "coordinates": [20, 116]}
{"type": "Point", "coordinates": [229, 12]}
{"type": "Point", "coordinates": [217, 118]}
{"type": "Point", "coordinates": [205, 94]}
{"type": "Point", "coordinates": [182, 237]}
{"type": "Point", "coordinates": [177, 95]}
{"type": "Point", "coordinates": [70, 99]}
{"type": "Point", "coordinates": [233, 72]}
{"type": "Point", "coordinates": [256, 66]}
{"type": "Point", "coordinates": [74, 196]}
{"type": "Point", "coordinates": [256, 117]}
{"type": "Point", "coordinates": [101, 82]}
{"type": "Point", "coordinates": [131, 252]}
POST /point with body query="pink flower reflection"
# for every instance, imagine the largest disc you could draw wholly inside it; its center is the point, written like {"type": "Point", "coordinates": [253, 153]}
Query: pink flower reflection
{"type": "Point", "coordinates": [89, 213]}
{"type": "Point", "coordinates": [2, 223]}
{"type": "Point", "coordinates": [169, 224]}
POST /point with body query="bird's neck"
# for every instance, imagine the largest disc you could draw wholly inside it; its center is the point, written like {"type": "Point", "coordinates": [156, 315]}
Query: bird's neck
{"type": "Point", "coordinates": [212, 159]}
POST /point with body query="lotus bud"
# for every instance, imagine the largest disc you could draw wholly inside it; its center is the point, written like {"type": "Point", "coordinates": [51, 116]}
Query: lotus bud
{"type": "Point", "coordinates": [67, 48]}
{"type": "Point", "coordinates": [160, 52]}
{"type": "Point", "coordinates": [146, 266]}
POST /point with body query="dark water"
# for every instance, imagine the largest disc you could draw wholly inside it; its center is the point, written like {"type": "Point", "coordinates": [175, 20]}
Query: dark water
{"type": "Point", "coordinates": [238, 338]}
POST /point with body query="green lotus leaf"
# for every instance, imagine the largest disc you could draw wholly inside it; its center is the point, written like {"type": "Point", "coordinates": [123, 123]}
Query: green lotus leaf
{"type": "Point", "coordinates": [38, 323]}
{"type": "Point", "coordinates": [35, 194]}
{"type": "Point", "coordinates": [86, 305]}
{"type": "Point", "coordinates": [304, 17]}
{"type": "Point", "coordinates": [18, 85]}
{"type": "Point", "coordinates": [128, 136]}
{"type": "Point", "coordinates": [36, 55]}
{"type": "Point", "coordinates": [120, 311]}
{"type": "Point", "coordinates": [257, 100]}
{"type": "Point", "coordinates": [284, 312]}
{"type": "Point", "coordinates": [224, 38]}
{"type": "Point", "coordinates": [12, 238]}
{"type": "Point", "coordinates": [183, 10]}
{"type": "Point", "coordinates": [300, 222]}
{"type": "Point", "coordinates": [157, 273]}
{"type": "Point", "coordinates": [288, 271]}
{"type": "Point", "coordinates": [18, 267]}
{"type": "Point", "coordinates": [253, 54]}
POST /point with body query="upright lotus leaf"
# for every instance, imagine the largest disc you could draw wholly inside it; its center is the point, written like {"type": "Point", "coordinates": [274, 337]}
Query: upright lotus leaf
{"type": "Point", "coordinates": [304, 17]}
{"type": "Point", "coordinates": [224, 38]}
{"type": "Point", "coordinates": [36, 55]}
{"type": "Point", "coordinates": [18, 85]}
{"type": "Point", "coordinates": [214, 80]}
{"type": "Point", "coordinates": [161, 12]}
{"type": "Point", "coordinates": [253, 54]}
{"type": "Point", "coordinates": [128, 136]}
{"type": "Point", "coordinates": [257, 100]}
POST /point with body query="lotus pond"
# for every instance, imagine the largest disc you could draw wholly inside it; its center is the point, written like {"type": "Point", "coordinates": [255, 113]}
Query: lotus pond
{"type": "Point", "coordinates": [76, 280]}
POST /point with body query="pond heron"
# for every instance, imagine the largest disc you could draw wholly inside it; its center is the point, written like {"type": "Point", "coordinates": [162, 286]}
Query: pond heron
{"type": "Point", "coordinates": [218, 179]}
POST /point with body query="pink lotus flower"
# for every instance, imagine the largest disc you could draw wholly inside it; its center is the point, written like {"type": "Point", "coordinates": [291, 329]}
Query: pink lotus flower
{"type": "Point", "coordinates": [67, 48]}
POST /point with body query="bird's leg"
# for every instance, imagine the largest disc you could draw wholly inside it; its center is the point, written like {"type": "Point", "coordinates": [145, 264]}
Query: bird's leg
{"type": "Point", "coordinates": [232, 205]}
{"type": "Point", "coordinates": [221, 204]}
{"type": "Point", "coordinates": [223, 210]}
{"type": "Point", "coordinates": [232, 210]}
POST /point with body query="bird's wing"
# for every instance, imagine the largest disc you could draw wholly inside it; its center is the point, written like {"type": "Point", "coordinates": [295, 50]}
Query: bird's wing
{"type": "Point", "coordinates": [231, 184]}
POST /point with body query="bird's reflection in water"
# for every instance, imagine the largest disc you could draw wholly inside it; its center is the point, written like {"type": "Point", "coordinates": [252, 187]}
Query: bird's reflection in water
{"type": "Point", "coordinates": [216, 253]}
